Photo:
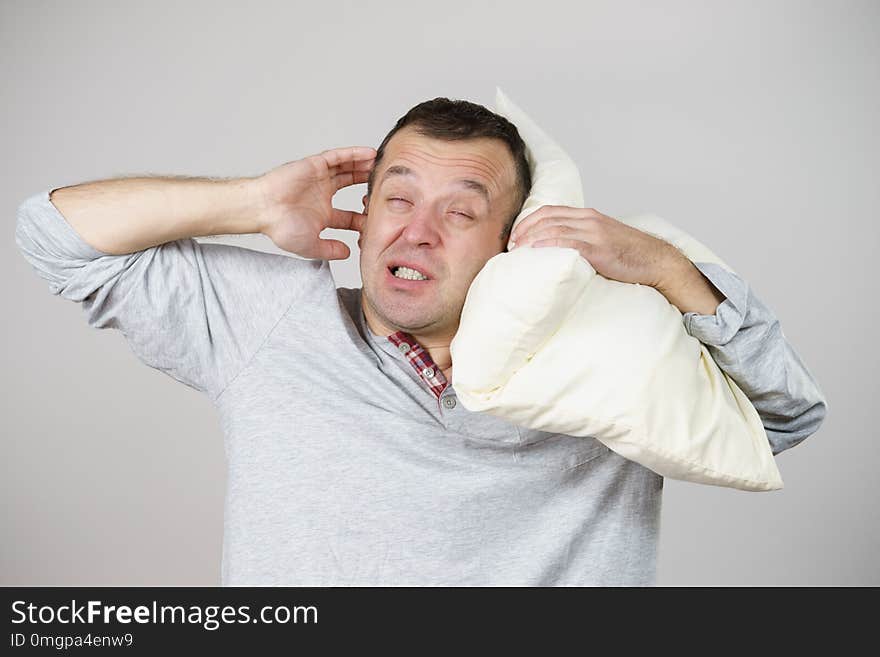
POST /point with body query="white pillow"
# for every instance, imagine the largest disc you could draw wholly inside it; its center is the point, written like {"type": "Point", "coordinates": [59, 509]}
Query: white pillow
{"type": "Point", "coordinates": [547, 343]}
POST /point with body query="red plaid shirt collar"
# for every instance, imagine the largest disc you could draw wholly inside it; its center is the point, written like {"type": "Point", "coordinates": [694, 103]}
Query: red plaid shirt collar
{"type": "Point", "coordinates": [421, 361]}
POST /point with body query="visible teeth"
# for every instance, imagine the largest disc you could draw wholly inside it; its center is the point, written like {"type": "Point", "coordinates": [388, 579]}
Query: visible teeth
{"type": "Point", "coordinates": [410, 274]}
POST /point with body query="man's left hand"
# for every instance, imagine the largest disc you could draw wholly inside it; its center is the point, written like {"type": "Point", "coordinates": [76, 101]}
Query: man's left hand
{"type": "Point", "coordinates": [615, 250]}
{"type": "Point", "coordinates": [622, 253]}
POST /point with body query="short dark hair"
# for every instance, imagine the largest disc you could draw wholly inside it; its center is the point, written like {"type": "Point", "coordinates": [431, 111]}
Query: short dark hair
{"type": "Point", "coordinates": [453, 120]}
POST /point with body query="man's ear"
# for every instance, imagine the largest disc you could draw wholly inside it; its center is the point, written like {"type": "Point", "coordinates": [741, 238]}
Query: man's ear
{"type": "Point", "coordinates": [366, 201]}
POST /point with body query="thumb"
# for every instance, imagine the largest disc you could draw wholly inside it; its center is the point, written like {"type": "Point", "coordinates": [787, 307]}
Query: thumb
{"type": "Point", "coordinates": [333, 250]}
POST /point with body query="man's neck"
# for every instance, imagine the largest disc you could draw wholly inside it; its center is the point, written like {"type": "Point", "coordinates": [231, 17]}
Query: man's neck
{"type": "Point", "coordinates": [436, 345]}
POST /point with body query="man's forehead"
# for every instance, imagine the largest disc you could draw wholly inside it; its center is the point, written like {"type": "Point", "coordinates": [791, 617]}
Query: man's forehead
{"type": "Point", "coordinates": [468, 183]}
{"type": "Point", "coordinates": [481, 165]}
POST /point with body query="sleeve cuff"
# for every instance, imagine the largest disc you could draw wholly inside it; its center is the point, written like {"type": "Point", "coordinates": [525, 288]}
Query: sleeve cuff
{"type": "Point", "coordinates": [718, 329]}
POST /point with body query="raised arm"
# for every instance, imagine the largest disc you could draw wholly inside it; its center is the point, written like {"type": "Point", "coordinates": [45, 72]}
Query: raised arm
{"type": "Point", "coordinates": [125, 215]}
{"type": "Point", "coordinates": [291, 204]}
{"type": "Point", "coordinates": [194, 311]}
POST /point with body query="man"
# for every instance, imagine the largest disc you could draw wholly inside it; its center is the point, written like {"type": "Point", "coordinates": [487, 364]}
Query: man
{"type": "Point", "coordinates": [350, 461]}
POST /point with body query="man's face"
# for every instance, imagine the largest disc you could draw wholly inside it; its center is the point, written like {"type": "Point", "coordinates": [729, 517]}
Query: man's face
{"type": "Point", "coordinates": [420, 213]}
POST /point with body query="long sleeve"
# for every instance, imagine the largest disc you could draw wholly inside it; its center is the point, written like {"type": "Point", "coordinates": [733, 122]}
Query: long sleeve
{"type": "Point", "coordinates": [747, 342]}
{"type": "Point", "coordinates": [197, 312]}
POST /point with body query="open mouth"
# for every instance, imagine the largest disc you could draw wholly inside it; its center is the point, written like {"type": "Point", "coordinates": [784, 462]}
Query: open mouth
{"type": "Point", "coordinates": [405, 273]}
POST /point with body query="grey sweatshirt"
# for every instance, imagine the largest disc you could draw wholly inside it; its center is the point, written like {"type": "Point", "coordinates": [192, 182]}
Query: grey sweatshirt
{"type": "Point", "coordinates": [343, 468]}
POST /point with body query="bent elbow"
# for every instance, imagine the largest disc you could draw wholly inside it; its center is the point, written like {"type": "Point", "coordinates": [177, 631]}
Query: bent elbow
{"type": "Point", "coordinates": [798, 430]}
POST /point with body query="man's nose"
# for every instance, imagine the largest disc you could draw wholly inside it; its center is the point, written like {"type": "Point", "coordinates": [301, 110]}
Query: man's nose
{"type": "Point", "coordinates": [422, 228]}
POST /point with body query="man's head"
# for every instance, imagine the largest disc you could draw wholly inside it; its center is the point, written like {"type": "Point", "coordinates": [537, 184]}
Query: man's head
{"type": "Point", "coordinates": [447, 183]}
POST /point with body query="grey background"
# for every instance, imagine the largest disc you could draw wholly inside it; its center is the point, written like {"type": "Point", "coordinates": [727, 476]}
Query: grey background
{"type": "Point", "coordinates": [752, 125]}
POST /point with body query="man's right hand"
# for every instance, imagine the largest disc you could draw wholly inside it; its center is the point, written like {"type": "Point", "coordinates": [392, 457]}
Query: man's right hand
{"type": "Point", "coordinates": [297, 201]}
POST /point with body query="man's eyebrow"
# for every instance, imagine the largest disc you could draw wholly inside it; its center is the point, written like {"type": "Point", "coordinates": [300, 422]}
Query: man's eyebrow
{"type": "Point", "coordinates": [400, 170]}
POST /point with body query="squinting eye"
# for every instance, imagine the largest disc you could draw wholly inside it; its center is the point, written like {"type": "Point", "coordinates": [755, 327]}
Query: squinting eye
{"type": "Point", "coordinates": [403, 200]}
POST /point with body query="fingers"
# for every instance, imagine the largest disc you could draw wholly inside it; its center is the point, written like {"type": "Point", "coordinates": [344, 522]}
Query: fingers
{"type": "Point", "coordinates": [346, 167]}
{"type": "Point", "coordinates": [551, 227]}
{"type": "Point", "coordinates": [332, 250]}
{"type": "Point", "coordinates": [348, 157]}
{"type": "Point", "coordinates": [549, 212]}
{"type": "Point", "coordinates": [351, 172]}
{"type": "Point", "coordinates": [347, 220]}
{"type": "Point", "coordinates": [348, 178]}
{"type": "Point", "coordinates": [560, 242]}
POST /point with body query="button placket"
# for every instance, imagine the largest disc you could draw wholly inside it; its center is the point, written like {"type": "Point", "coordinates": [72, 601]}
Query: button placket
{"type": "Point", "coordinates": [421, 362]}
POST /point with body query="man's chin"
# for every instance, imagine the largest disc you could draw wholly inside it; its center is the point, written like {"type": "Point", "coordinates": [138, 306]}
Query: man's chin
{"type": "Point", "coordinates": [411, 324]}
{"type": "Point", "coordinates": [414, 316]}
{"type": "Point", "coordinates": [410, 319]}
